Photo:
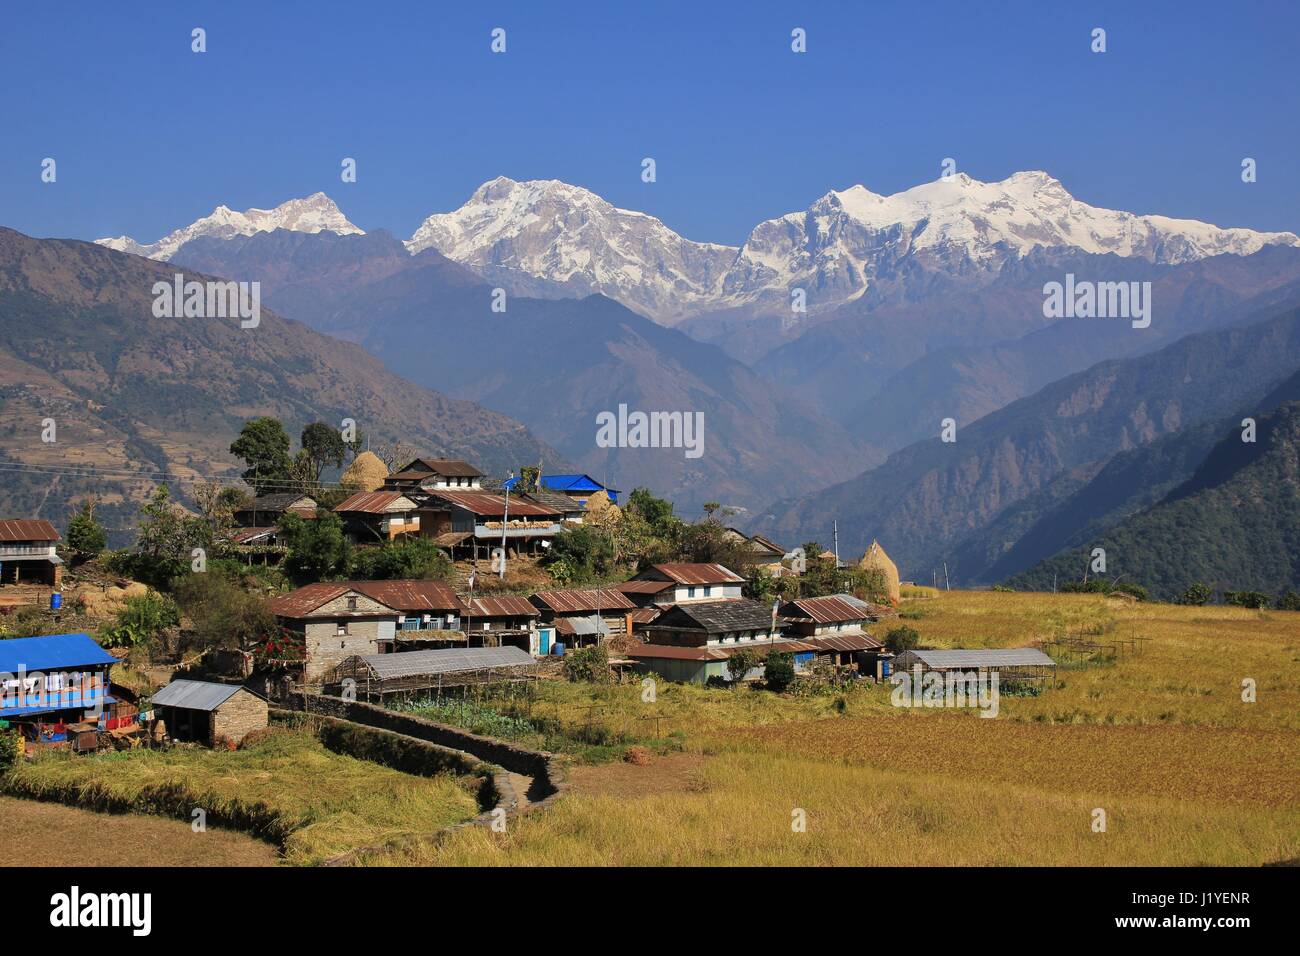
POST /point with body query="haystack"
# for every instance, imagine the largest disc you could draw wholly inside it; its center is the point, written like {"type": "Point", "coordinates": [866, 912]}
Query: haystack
{"type": "Point", "coordinates": [366, 473]}
{"type": "Point", "coordinates": [876, 559]}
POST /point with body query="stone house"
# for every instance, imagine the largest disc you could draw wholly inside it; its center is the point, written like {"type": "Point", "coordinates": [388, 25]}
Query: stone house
{"type": "Point", "coordinates": [208, 712]}
{"type": "Point", "coordinates": [333, 621]}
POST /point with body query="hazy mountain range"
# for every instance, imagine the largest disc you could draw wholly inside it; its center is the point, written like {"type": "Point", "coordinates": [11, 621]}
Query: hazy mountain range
{"type": "Point", "coordinates": [916, 307]}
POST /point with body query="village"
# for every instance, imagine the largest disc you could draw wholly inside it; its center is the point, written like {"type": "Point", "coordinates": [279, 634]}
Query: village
{"type": "Point", "coordinates": [766, 618]}
{"type": "Point", "coordinates": [499, 637]}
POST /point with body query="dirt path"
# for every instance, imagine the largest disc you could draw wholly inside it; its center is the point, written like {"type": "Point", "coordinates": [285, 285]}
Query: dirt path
{"type": "Point", "coordinates": [50, 834]}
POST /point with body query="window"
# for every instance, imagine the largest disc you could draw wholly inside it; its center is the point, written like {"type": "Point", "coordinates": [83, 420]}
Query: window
{"type": "Point", "coordinates": [341, 629]}
{"type": "Point", "coordinates": [690, 592]}
{"type": "Point", "coordinates": [352, 604]}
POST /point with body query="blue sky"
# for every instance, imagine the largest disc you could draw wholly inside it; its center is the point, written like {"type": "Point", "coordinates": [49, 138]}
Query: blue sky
{"type": "Point", "coordinates": [149, 136]}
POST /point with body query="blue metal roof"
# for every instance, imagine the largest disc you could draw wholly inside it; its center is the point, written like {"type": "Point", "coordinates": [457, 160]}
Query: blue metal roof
{"type": "Point", "coordinates": [56, 652]}
{"type": "Point", "coordinates": [567, 483]}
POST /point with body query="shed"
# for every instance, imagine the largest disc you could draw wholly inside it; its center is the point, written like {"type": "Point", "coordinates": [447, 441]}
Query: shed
{"type": "Point", "coordinates": [1011, 663]}
{"type": "Point", "coordinates": [380, 675]}
{"type": "Point", "coordinates": [206, 712]}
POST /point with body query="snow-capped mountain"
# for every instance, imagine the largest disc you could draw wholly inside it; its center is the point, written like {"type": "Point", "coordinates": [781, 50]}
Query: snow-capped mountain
{"type": "Point", "coordinates": [835, 250]}
{"type": "Point", "coordinates": [958, 226]}
{"type": "Point", "coordinates": [315, 213]}
{"type": "Point", "coordinates": [569, 236]}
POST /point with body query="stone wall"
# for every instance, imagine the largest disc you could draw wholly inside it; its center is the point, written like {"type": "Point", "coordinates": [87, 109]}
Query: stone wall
{"type": "Point", "coordinates": [239, 716]}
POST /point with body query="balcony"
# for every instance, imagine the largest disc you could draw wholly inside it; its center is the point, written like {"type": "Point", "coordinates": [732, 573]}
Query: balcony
{"type": "Point", "coordinates": [9, 552]}
{"type": "Point", "coordinates": [521, 528]}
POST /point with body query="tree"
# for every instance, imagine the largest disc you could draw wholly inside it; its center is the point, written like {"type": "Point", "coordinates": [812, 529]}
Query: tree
{"type": "Point", "coordinates": [1196, 594]}
{"type": "Point", "coordinates": [222, 613]}
{"type": "Point", "coordinates": [580, 554]}
{"type": "Point", "coordinates": [167, 538]}
{"type": "Point", "coordinates": [86, 536]}
{"type": "Point", "coordinates": [414, 559]}
{"type": "Point", "coordinates": [902, 639]}
{"type": "Point", "coordinates": [318, 550]}
{"type": "Point", "coordinates": [1288, 601]}
{"type": "Point", "coordinates": [323, 448]}
{"type": "Point", "coordinates": [741, 663]}
{"type": "Point", "coordinates": [779, 671]}
{"type": "Point", "coordinates": [657, 512]}
{"type": "Point", "coordinates": [263, 445]}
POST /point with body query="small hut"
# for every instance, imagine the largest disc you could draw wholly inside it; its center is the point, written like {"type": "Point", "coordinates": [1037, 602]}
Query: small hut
{"type": "Point", "coordinates": [205, 712]}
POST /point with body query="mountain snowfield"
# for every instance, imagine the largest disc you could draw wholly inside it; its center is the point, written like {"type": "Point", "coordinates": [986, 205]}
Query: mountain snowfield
{"type": "Point", "coordinates": [315, 213]}
{"type": "Point", "coordinates": [545, 237]}
{"type": "Point", "coordinates": [569, 236]}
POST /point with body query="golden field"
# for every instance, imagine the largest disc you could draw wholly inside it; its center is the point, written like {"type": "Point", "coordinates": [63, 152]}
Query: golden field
{"type": "Point", "coordinates": [1186, 772]}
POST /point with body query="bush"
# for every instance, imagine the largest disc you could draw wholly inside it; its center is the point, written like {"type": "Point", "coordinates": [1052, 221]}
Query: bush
{"type": "Point", "coordinates": [11, 748]}
{"type": "Point", "coordinates": [741, 663]}
{"type": "Point", "coordinates": [587, 664]}
{"type": "Point", "coordinates": [1251, 599]}
{"type": "Point", "coordinates": [417, 559]}
{"type": "Point", "coordinates": [1196, 594]}
{"type": "Point", "coordinates": [1289, 601]}
{"type": "Point", "coordinates": [779, 672]}
{"type": "Point", "coordinates": [902, 639]}
{"type": "Point", "coordinates": [141, 619]}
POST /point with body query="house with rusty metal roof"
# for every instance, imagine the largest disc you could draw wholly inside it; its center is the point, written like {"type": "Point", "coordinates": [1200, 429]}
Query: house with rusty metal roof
{"type": "Point", "coordinates": [266, 510]}
{"type": "Point", "coordinates": [372, 517]}
{"type": "Point", "coordinates": [693, 642]}
{"type": "Point", "coordinates": [607, 610]}
{"type": "Point", "coordinates": [837, 626]}
{"type": "Point", "coordinates": [487, 521]}
{"type": "Point", "coordinates": [327, 622]}
{"type": "Point", "coordinates": [684, 582]}
{"type": "Point", "coordinates": [764, 551]}
{"type": "Point", "coordinates": [28, 553]}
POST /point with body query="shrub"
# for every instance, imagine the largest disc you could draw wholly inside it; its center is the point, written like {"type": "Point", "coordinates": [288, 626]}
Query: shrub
{"type": "Point", "coordinates": [1196, 594]}
{"type": "Point", "coordinates": [141, 619]}
{"type": "Point", "coordinates": [1251, 599]}
{"type": "Point", "coordinates": [11, 748]}
{"type": "Point", "coordinates": [1289, 601]}
{"type": "Point", "coordinates": [902, 639]}
{"type": "Point", "coordinates": [779, 672]}
{"type": "Point", "coordinates": [741, 663]}
{"type": "Point", "coordinates": [587, 664]}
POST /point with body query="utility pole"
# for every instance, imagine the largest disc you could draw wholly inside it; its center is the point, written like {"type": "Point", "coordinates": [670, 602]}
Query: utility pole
{"type": "Point", "coordinates": [505, 525]}
{"type": "Point", "coordinates": [946, 585]}
{"type": "Point", "coordinates": [835, 538]}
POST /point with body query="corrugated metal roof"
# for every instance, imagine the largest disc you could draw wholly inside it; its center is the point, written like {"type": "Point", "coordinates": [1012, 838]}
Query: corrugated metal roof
{"type": "Point", "coordinates": [376, 502]}
{"type": "Point", "coordinates": [567, 483]}
{"type": "Point", "coordinates": [581, 626]}
{"type": "Point", "coordinates": [580, 601]}
{"type": "Point", "coordinates": [697, 573]}
{"type": "Point", "coordinates": [249, 535]}
{"type": "Point", "coordinates": [715, 617]}
{"type": "Point", "coordinates": [446, 661]}
{"type": "Point", "coordinates": [307, 598]}
{"type": "Point", "coordinates": [485, 503]}
{"type": "Point", "coordinates": [196, 694]}
{"type": "Point", "coordinates": [829, 609]}
{"type": "Point", "coordinates": [51, 652]}
{"type": "Point", "coordinates": [860, 641]}
{"type": "Point", "coordinates": [408, 595]}
{"type": "Point", "coordinates": [27, 529]}
{"type": "Point", "coordinates": [643, 587]}
{"type": "Point", "coordinates": [983, 657]}
{"type": "Point", "coordinates": [506, 605]}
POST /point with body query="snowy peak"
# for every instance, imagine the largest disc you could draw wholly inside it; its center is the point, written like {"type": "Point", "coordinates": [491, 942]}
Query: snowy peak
{"type": "Point", "coordinates": [314, 213]}
{"type": "Point", "coordinates": [849, 239]}
{"type": "Point", "coordinates": [568, 236]}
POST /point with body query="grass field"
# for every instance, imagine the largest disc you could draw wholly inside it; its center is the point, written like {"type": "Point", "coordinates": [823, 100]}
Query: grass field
{"type": "Point", "coordinates": [1185, 771]}
{"type": "Point", "coordinates": [55, 835]}
{"type": "Point", "coordinates": [288, 787]}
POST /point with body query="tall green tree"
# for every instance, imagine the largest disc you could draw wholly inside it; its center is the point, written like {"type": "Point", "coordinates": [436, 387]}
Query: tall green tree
{"type": "Point", "coordinates": [263, 445]}
{"type": "Point", "coordinates": [323, 447]}
{"type": "Point", "coordinates": [318, 549]}
{"type": "Point", "coordinates": [86, 536]}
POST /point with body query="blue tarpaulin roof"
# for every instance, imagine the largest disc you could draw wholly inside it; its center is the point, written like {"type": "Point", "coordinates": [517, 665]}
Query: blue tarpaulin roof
{"type": "Point", "coordinates": [567, 483]}
{"type": "Point", "coordinates": [57, 652]}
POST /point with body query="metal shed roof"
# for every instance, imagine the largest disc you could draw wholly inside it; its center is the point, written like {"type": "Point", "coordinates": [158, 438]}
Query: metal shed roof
{"type": "Point", "coordinates": [829, 609]}
{"type": "Point", "coordinates": [983, 657]}
{"type": "Point", "coordinates": [27, 529]}
{"type": "Point", "coordinates": [51, 653]}
{"type": "Point", "coordinates": [196, 694]}
{"type": "Point", "coordinates": [447, 661]}
{"type": "Point", "coordinates": [576, 601]}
